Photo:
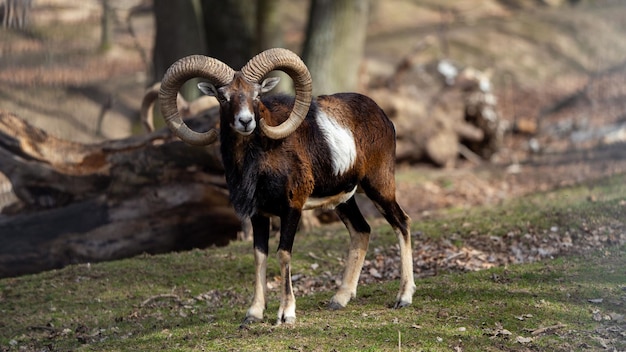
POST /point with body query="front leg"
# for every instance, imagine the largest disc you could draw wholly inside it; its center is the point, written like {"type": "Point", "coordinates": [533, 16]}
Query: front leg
{"type": "Point", "coordinates": [288, 227]}
{"type": "Point", "coordinates": [261, 231]}
{"type": "Point", "coordinates": [359, 230]}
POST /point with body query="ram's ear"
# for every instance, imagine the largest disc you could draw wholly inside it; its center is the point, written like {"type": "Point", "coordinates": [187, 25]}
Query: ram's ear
{"type": "Point", "coordinates": [269, 84]}
{"type": "Point", "coordinates": [208, 89]}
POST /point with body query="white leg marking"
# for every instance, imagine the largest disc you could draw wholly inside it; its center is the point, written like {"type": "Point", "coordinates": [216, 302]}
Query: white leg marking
{"type": "Point", "coordinates": [287, 309]}
{"type": "Point", "coordinates": [356, 255]}
{"type": "Point", "coordinates": [340, 141]}
{"type": "Point", "coordinates": [407, 282]}
{"type": "Point", "coordinates": [255, 312]}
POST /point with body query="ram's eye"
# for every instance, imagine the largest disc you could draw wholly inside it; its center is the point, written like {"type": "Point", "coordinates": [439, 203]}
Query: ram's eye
{"type": "Point", "coordinates": [223, 96]}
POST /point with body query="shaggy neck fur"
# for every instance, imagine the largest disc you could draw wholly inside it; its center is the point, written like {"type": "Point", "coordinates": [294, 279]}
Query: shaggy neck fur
{"type": "Point", "coordinates": [241, 157]}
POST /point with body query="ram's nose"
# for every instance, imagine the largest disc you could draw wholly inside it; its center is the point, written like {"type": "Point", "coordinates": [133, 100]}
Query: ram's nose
{"type": "Point", "coordinates": [245, 121]}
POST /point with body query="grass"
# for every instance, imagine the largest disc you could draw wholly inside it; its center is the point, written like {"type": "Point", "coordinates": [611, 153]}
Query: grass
{"type": "Point", "coordinates": [195, 301]}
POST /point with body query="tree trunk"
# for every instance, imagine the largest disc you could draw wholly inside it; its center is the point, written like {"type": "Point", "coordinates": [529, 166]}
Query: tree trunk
{"type": "Point", "coordinates": [179, 32]}
{"type": "Point", "coordinates": [94, 202]}
{"type": "Point", "coordinates": [269, 21]}
{"type": "Point", "coordinates": [230, 27]}
{"type": "Point", "coordinates": [268, 25]}
{"type": "Point", "coordinates": [334, 44]}
{"type": "Point", "coordinates": [106, 23]}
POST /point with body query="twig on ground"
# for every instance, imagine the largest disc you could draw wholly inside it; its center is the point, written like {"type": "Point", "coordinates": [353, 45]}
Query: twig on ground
{"type": "Point", "coordinates": [164, 295]}
{"type": "Point", "coordinates": [539, 331]}
{"type": "Point", "coordinates": [469, 154]}
{"type": "Point", "coordinates": [39, 327]}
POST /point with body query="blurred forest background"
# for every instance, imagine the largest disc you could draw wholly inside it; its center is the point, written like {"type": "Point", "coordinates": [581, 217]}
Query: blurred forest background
{"type": "Point", "coordinates": [491, 98]}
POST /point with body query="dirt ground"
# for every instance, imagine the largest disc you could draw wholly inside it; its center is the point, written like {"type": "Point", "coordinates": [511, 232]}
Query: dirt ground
{"type": "Point", "coordinates": [567, 71]}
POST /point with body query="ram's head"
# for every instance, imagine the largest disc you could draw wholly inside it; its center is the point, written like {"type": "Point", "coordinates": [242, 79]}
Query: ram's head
{"type": "Point", "coordinates": [237, 91]}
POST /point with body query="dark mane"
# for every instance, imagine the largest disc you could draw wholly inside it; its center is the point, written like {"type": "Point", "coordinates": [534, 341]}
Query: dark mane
{"type": "Point", "coordinates": [241, 175]}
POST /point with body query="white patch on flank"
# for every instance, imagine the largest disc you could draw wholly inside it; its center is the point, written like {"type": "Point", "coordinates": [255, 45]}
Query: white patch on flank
{"type": "Point", "coordinates": [340, 141]}
{"type": "Point", "coordinates": [328, 202]}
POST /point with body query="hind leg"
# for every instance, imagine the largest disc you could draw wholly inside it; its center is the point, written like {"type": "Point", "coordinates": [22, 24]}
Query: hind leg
{"type": "Point", "coordinates": [359, 239]}
{"type": "Point", "coordinates": [385, 200]}
{"type": "Point", "coordinates": [401, 226]}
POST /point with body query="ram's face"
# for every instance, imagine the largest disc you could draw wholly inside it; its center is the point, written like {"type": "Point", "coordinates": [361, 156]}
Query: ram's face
{"type": "Point", "coordinates": [239, 100]}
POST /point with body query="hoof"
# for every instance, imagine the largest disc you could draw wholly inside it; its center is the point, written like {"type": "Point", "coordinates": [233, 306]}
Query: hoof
{"type": "Point", "coordinates": [249, 320]}
{"type": "Point", "coordinates": [401, 304]}
{"type": "Point", "coordinates": [286, 320]}
{"type": "Point", "coordinates": [332, 305]}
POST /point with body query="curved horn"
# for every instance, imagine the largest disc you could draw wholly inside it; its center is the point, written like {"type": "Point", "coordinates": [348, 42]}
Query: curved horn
{"type": "Point", "coordinates": [217, 72]}
{"type": "Point", "coordinates": [147, 104]}
{"type": "Point", "coordinates": [146, 112]}
{"type": "Point", "coordinates": [290, 63]}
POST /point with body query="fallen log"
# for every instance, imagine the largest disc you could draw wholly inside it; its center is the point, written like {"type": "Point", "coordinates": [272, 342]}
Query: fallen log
{"type": "Point", "coordinates": [93, 202]}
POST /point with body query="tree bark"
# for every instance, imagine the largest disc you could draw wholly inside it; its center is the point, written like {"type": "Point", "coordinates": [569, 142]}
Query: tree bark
{"type": "Point", "coordinates": [334, 44]}
{"type": "Point", "coordinates": [106, 23]}
{"type": "Point", "coordinates": [179, 32]}
{"type": "Point", "coordinates": [230, 27]}
{"type": "Point", "coordinates": [269, 34]}
{"type": "Point", "coordinates": [94, 202]}
{"type": "Point", "coordinates": [268, 25]}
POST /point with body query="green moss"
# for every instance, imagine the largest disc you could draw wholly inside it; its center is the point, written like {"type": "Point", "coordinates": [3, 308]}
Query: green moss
{"type": "Point", "coordinates": [157, 303]}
